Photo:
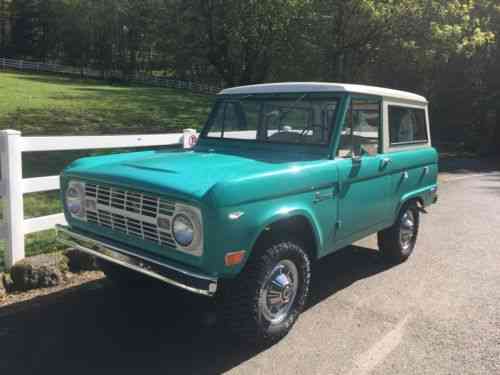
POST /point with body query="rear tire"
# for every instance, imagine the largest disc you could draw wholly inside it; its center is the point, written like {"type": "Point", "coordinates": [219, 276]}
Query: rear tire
{"type": "Point", "coordinates": [397, 243]}
{"type": "Point", "coordinates": [263, 303]}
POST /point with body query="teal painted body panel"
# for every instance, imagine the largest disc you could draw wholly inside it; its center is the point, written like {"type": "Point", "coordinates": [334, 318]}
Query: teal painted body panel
{"type": "Point", "coordinates": [364, 195]}
{"type": "Point", "coordinates": [422, 169]}
{"type": "Point", "coordinates": [342, 199]}
{"type": "Point", "coordinates": [265, 187]}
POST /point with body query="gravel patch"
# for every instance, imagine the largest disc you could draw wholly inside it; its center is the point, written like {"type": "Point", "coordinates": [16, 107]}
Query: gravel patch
{"type": "Point", "coordinates": [72, 280]}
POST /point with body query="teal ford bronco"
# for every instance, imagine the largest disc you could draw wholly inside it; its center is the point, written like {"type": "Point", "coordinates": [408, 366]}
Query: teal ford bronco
{"type": "Point", "coordinates": [282, 175]}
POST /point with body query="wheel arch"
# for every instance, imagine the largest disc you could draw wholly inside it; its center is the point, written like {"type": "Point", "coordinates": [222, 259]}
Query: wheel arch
{"type": "Point", "coordinates": [416, 197]}
{"type": "Point", "coordinates": [298, 224]}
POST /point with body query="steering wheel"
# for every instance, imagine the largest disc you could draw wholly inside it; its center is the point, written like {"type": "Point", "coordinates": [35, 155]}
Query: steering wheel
{"type": "Point", "coordinates": [312, 128]}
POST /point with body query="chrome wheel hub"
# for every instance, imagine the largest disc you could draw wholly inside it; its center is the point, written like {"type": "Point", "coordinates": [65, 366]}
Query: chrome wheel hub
{"type": "Point", "coordinates": [279, 291]}
{"type": "Point", "coordinates": [407, 229]}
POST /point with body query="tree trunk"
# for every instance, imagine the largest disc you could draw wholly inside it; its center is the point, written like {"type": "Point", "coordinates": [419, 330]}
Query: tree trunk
{"type": "Point", "coordinates": [496, 137]}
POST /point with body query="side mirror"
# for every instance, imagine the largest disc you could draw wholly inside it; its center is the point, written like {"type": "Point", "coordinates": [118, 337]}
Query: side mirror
{"type": "Point", "coordinates": [356, 158]}
{"type": "Point", "coordinates": [357, 152]}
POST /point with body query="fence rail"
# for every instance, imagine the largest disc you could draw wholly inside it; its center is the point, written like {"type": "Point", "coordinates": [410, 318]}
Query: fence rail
{"type": "Point", "coordinates": [152, 80]}
{"type": "Point", "coordinates": [13, 186]}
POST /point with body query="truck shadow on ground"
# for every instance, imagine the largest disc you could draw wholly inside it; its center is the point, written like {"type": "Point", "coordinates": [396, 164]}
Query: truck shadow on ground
{"type": "Point", "coordinates": [97, 328]}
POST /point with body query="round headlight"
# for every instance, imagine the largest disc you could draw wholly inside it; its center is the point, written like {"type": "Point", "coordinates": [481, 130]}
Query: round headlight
{"type": "Point", "coordinates": [73, 192]}
{"type": "Point", "coordinates": [75, 207]}
{"type": "Point", "coordinates": [74, 198]}
{"type": "Point", "coordinates": [183, 229]}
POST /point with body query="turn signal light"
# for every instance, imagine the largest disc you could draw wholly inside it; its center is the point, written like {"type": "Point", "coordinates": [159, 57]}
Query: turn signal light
{"type": "Point", "coordinates": [234, 258]}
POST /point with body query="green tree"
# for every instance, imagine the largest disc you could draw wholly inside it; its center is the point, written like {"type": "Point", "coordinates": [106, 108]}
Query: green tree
{"type": "Point", "coordinates": [447, 50]}
{"type": "Point", "coordinates": [241, 38]}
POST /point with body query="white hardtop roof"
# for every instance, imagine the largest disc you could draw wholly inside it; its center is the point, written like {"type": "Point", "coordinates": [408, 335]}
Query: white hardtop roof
{"type": "Point", "coordinates": [284, 87]}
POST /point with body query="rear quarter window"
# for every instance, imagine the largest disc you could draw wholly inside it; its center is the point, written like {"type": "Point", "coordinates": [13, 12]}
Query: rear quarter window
{"type": "Point", "coordinates": [407, 125]}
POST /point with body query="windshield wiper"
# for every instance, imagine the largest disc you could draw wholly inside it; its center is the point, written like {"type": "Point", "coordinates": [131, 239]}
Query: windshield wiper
{"type": "Point", "coordinates": [284, 113]}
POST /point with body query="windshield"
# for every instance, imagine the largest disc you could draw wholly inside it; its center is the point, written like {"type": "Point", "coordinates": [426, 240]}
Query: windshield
{"type": "Point", "coordinates": [295, 119]}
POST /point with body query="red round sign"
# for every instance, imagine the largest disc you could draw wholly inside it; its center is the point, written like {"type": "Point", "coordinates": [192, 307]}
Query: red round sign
{"type": "Point", "coordinates": [192, 140]}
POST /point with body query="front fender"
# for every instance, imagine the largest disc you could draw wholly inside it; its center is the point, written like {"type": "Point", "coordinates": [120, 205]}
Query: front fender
{"type": "Point", "coordinates": [243, 233]}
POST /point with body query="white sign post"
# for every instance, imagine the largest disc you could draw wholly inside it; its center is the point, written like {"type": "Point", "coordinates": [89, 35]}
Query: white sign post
{"type": "Point", "coordinates": [189, 138]}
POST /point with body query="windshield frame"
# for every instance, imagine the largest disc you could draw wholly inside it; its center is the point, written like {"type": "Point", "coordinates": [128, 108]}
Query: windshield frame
{"type": "Point", "coordinates": [295, 97]}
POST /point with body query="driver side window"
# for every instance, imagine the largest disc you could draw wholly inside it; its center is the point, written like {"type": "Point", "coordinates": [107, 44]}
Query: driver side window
{"type": "Point", "coordinates": [361, 133]}
{"type": "Point", "coordinates": [286, 124]}
{"type": "Point", "coordinates": [307, 121]}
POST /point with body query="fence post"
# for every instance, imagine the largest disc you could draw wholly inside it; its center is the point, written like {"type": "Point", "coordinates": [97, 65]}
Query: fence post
{"type": "Point", "coordinates": [13, 207]}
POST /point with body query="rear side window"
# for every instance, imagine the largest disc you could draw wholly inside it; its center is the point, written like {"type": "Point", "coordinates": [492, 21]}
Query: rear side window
{"type": "Point", "coordinates": [407, 125]}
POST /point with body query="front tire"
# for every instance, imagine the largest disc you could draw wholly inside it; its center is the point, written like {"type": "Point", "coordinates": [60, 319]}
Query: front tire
{"type": "Point", "coordinates": [263, 303]}
{"type": "Point", "coordinates": [397, 243]}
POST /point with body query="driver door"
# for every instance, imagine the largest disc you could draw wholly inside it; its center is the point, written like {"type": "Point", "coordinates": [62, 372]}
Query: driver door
{"type": "Point", "coordinates": [363, 171]}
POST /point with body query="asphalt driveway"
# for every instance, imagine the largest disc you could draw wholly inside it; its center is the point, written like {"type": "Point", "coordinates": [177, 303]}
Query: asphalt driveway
{"type": "Point", "coordinates": [438, 313]}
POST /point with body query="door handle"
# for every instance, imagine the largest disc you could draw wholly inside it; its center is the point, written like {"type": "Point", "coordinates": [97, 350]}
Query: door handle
{"type": "Point", "coordinates": [385, 162]}
{"type": "Point", "coordinates": [405, 175]}
{"type": "Point", "coordinates": [319, 197]}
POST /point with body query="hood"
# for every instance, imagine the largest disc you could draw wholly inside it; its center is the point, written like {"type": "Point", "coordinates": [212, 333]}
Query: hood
{"type": "Point", "coordinates": [187, 173]}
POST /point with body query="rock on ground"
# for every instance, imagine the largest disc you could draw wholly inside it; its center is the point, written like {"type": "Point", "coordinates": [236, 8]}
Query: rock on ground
{"type": "Point", "coordinates": [79, 261]}
{"type": "Point", "coordinates": [6, 282]}
{"type": "Point", "coordinates": [3, 291]}
{"type": "Point", "coordinates": [39, 271]}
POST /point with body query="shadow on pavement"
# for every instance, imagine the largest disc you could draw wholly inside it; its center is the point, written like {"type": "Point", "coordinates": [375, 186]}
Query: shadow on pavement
{"type": "Point", "coordinates": [469, 166]}
{"type": "Point", "coordinates": [96, 328]}
{"type": "Point", "coordinates": [491, 184]}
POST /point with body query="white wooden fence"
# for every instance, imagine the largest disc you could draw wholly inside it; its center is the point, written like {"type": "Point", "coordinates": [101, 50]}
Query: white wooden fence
{"type": "Point", "coordinates": [13, 186]}
{"type": "Point", "coordinates": [150, 80]}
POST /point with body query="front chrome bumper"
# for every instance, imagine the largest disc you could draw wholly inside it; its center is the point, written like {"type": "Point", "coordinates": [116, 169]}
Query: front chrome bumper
{"type": "Point", "coordinates": [192, 282]}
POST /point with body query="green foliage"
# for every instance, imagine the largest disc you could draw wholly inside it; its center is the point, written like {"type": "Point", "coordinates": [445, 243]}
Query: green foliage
{"type": "Point", "coordinates": [243, 37]}
{"type": "Point", "coordinates": [241, 41]}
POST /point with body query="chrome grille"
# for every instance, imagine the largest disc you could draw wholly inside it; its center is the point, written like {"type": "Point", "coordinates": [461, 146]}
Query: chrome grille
{"type": "Point", "coordinates": [130, 212]}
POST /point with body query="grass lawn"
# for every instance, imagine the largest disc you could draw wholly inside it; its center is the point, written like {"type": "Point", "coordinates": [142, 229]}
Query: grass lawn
{"type": "Point", "coordinates": [59, 105]}
{"type": "Point", "coordinates": [43, 104]}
